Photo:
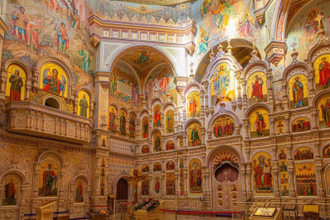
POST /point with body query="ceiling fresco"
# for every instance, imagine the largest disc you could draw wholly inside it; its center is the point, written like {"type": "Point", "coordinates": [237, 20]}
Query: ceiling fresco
{"type": "Point", "coordinates": [160, 2]}
{"type": "Point", "coordinates": [142, 57]}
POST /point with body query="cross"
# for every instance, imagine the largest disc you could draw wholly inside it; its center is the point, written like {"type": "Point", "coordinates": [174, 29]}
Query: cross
{"type": "Point", "coordinates": [134, 179]}
{"type": "Point", "coordinates": [225, 173]}
{"type": "Point", "coordinates": [293, 45]}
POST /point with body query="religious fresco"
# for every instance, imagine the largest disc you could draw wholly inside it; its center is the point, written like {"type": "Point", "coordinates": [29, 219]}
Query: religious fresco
{"type": "Point", "coordinates": [280, 127]}
{"type": "Point", "coordinates": [145, 168]}
{"type": "Point", "coordinates": [169, 121]}
{"type": "Point", "coordinates": [181, 177]}
{"type": "Point", "coordinates": [122, 122]}
{"type": "Point", "coordinates": [54, 80]}
{"type": "Point", "coordinates": [282, 153]}
{"type": "Point", "coordinates": [326, 152]}
{"type": "Point", "coordinates": [219, 188]}
{"type": "Point", "coordinates": [170, 145]}
{"type": "Point", "coordinates": [283, 167]}
{"type": "Point", "coordinates": [124, 86]}
{"type": "Point", "coordinates": [257, 88]}
{"type": "Point", "coordinates": [157, 166]}
{"type": "Point", "coordinates": [161, 78]}
{"type": "Point", "coordinates": [16, 81]}
{"type": "Point", "coordinates": [233, 188]}
{"type": "Point", "coordinates": [83, 104]}
{"type": "Point", "coordinates": [56, 28]}
{"type": "Point", "coordinates": [322, 72]}
{"type": "Point", "coordinates": [145, 127]}
{"type": "Point", "coordinates": [194, 105]}
{"type": "Point", "coordinates": [145, 149]}
{"type": "Point", "coordinates": [298, 91]}
{"type": "Point", "coordinates": [324, 111]}
{"type": "Point", "coordinates": [10, 191]}
{"type": "Point", "coordinates": [222, 84]}
{"type": "Point", "coordinates": [194, 135]}
{"type": "Point", "coordinates": [170, 165]}
{"type": "Point", "coordinates": [170, 184]}
{"type": "Point", "coordinates": [142, 57]}
{"type": "Point", "coordinates": [262, 173]}
{"type": "Point", "coordinates": [303, 153]}
{"type": "Point", "coordinates": [301, 124]}
{"type": "Point", "coordinates": [104, 139]}
{"type": "Point", "coordinates": [223, 126]}
{"type": "Point", "coordinates": [48, 179]}
{"type": "Point", "coordinates": [79, 191]}
{"type": "Point", "coordinates": [195, 176]}
{"type": "Point", "coordinates": [157, 116]}
{"type": "Point", "coordinates": [157, 185]}
{"type": "Point", "coordinates": [112, 118]}
{"type": "Point", "coordinates": [131, 125]}
{"type": "Point", "coordinates": [157, 141]}
{"type": "Point", "coordinates": [259, 125]}
{"type": "Point", "coordinates": [225, 157]}
{"type": "Point", "coordinates": [306, 179]}
{"type": "Point", "coordinates": [145, 187]}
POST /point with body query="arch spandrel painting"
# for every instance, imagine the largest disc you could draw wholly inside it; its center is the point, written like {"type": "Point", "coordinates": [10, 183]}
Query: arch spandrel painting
{"type": "Point", "coordinates": [145, 149]}
{"type": "Point", "coordinates": [194, 105]}
{"type": "Point", "coordinates": [301, 124]}
{"type": "Point", "coordinates": [54, 80]}
{"type": "Point", "coordinates": [170, 145]}
{"type": "Point", "coordinates": [112, 118]}
{"type": "Point", "coordinates": [194, 135]}
{"type": "Point", "coordinates": [322, 72]}
{"type": "Point", "coordinates": [48, 179]}
{"type": "Point", "coordinates": [10, 191]}
{"type": "Point", "coordinates": [79, 190]}
{"type": "Point", "coordinates": [222, 84]}
{"type": "Point", "coordinates": [262, 173]}
{"type": "Point", "coordinates": [257, 88]}
{"type": "Point", "coordinates": [259, 125]}
{"type": "Point", "coordinates": [223, 126]}
{"type": "Point", "coordinates": [223, 158]}
{"type": "Point", "coordinates": [306, 179]}
{"type": "Point", "coordinates": [16, 79]}
{"type": "Point", "coordinates": [324, 111]}
{"type": "Point", "coordinates": [157, 141]}
{"type": "Point", "coordinates": [131, 125]}
{"type": "Point", "coordinates": [195, 176]}
{"type": "Point", "coordinates": [145, 168]}
{"type": "Point", "coordinates": [303, 153]}
{"type": "Point", "coordinates": [326, 152]}
{"type": "Point", "coordinates": [157, 116]}
{"type": "Point", "coordinates": [83, 106]}
{"type": "Point", "coordinates": [298, 91]}
{"type": "Point", "coordinates": [145, 127]}
{"type": "Point", "coordinates": [157, 166]}
{"type": "Point", "coordinates": [170, 165]}
{"type": "Point", "coordinates": [169, 121]}
{"type": "Point", "coordinates": [122, 122]}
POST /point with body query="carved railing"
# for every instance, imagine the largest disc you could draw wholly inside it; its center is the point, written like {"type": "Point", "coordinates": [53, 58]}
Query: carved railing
{"type": "Point", "coordinates": [42, 121]}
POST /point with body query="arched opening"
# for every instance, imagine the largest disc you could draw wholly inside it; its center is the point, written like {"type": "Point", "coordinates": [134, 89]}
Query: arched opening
{"type": "Point", "coordinates": [51, 102]}
{"type": "Point", "coordinates": [122, 189]}
{"type": "Point", "coordinates": [226, 172]}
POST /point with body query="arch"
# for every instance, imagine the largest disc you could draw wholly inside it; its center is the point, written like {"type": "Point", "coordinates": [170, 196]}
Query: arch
{"type": "Point", "coordinates": [168, 140]}
{"type": "Point", "coordinates": [47, 97]}
{"type": "Point", "coordinates": [325, 146]}
{"type": "Point", "coordinates": [155, 130]}
{"type": "Point", "coordinates": [191, 86]}
{"type": "Point", "coordinates": [149, 151]}
{"type": "Point", "coordinates": [85, 89]}
{"type": "Point", "coordinates": [123, 108]}
{"type": "Point", "coordinates": [300, 116]}
{"type": "Point", "coordinates": [224, 112]}
{"type": "Point", "coordinates": [142, 113]}
{"type": "Point", "coordinates": [190, 121]}
{"type": "Point", "coordinates": [42, 154]}
{"type": "Point", "coordinates": [215, 151]}
{"type": "Point", "coordinates": [133, 70]}
{"type": "Point", "coordinates": [168, 161]}
{"type": "Point", "coordinates": [167, 104]}
{"type": "Point", "coordinates": [142, 165]}
{"type": "Point", "coordinates": [132, 112]}
{"type": "Point", "coordinates": [280, 19]}
{"type": "Point", "coordinates": [198, 158]}
{"type": "Point", "coordinates": [318, 50]}
{"type": "Point", "coordinates": [153, 166]}
{"type": "Point", "coordinates": [257, 66]}
{"type": "Point", "coordinates": [116, 179]}
{"type": "Point", "coordinates": [153, 102]}
{"type": "Point", "coordinates": [14, 172]}
{"type": "Point", "coordinates": [21, 64]}
{"type": "Point", "coordinates": [295, 68]}
{"type": "Point", "coordinates": [254, 106]}
{"type": "Point", "coordinates": [114, 105]}
{"type": "Point", "coordinates": [303, 146]}
{"type": "Point", "coordinates": [319, 96]}
{"type": "Point", "coordinates": [83, 176]}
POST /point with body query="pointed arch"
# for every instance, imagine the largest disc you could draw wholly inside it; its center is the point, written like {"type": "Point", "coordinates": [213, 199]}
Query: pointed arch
{"type": "Point", "coordinates": [190, 121]}
{"type": "Point", "coordinates": [254, 106]}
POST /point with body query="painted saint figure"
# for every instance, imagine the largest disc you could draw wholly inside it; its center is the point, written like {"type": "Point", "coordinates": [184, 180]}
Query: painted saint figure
{"type": "Point", "coordinates": [170, 123]}
{"type": "Point", "coordinates": [131, 126]}
{"type": "Point", "coordinates": [16, 86]}
{"type": "Point", "coordinates": [311, 29]}
{"type": "Point", "coordinates": [262, 175]}
{"type": "Point", "coordinates": [53, 84]}
{"type": "Point", "coordinates": [32, 32]}
{"type": "Point", "coordinates": [79, 193]}
{"type": "Point", "coordinates": [203, 42]}
{"type": "Point", "coordinates": [326, 112]}
{"type": "Point", "coordinates": [157, 118]}
{"type": "Point", "coordinates": [195, 180]}
{"type": "Point", "coordinates": [145, 127]}
{"type": "Point", "coordinates": [324, 72]}
{"type": "Point", "coordinates": [257, 89]}
{"type": "Point", "coordinates": [86, 61]}
{"type": "Point", "coordinates": [62, 39]}
{"type": "Point", "coordinates": [49, 182]}
{"type": "Point", "coordinates": [260, 124]}
{"type": "Point", "coordinates": [298, 93]}
{"type": "Point", "coordinates": [75, 20]}
{"type": "Point", "coordinates": [10, 192]}
{"type": "Point", "coordinates": [19, 21]}
{"type": "Point", "coordinates": [244, 28]}
{"type": "Point", "coordinates": [112, 123]}
{"type": "Point", "coordinates": [157, 186]}
{"type": "Point", "coordinates": [221, 81]}
{"type": "Point", "coordinates": [157, 144]}
{"type": "Point", "coordinates": [122, 124]}
{"type": "Point", "coordinates": [165, 80]}
{"type": "Point", "coordinates": [194, 136]}
{"type": "Point", "coordinates": [83, 106]}
{"type": "Point", "coordinates": [192, 106]}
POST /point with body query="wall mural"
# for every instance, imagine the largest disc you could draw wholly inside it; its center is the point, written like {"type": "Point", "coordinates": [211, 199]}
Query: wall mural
{"type": "Point", "coordinates": [157, 185]}
{"type": "Point", "coordinates": [222, 84]}
{"type": "Point", "coordinates": [16, 81]}
{"type": "Point", "coordinates": [48, 179]}
{"type": "Point", "coordinates": [195, 176]}
{"type": "Point", "coordinates": [298, 91]}
{"type": "Point", "coordinates": [257, 88]}
{"type": "Point", "coordinates": [145, 168]}
{"type": "Point", "coordinates": [79, 191]}
{"type": "Point", "coordinates": [131, 125]}
{"type": "Point", "coordinates": [83, 106]}
{"type": "Point", "coordinates": [194, 135]}
{"type": "Point", "coordinates": [157, 141]}
{"type": "Point", "coordinates": [170, 184]}
{"type": "Point", "coordinates": [169, 121]}
{"type": "Point", "coordinates": [122, 122]}
{"type": "Point", "coordinates": [326, 152]}
{"type": "Point", "coordinates": [157, 166]}
{"type": "Point", "coordinates": [157, 116]}
{"type": "Point", "coordinates": [112, 119]}
{"type": "Point", "coordinates": [301, 124]}
{"type": "Point", "coordinates": [223, 126]}
{"type": "Point", "coordinates": [225, 157]}
{"type": "Point", "coordinates": [324, 111]}
{"type": "Point", "coordinates": [10, 191]}
{"type": "Point", "coordinates": [262, 173]}
{"type": "Point", "coordinates": [259, 123]}
{"type": "Point", "coordinates": [145, 127]}
{"type": "Point", "coordinates": [322, 72]}
{"type": "Point", "coordinates": [145, 149]}
{"type": "Point", "coordinates": [170, 165]}
{"type": "Point", "coordinates": [306, 179]}
{"type": "Point", "coordinates": [194, 105]}
{"type": "Point", "coordinates": [170, 145]}
{"type": "Point", "coordinates": [303, 153]}
{"type": "Point", "coordinates": [145, 187]}
{"type": "Point", "coordinates": [54, 80]}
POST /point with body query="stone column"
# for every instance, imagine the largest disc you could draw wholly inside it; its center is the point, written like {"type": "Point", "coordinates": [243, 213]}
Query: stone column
{"type": "Point", "coordinates": [243, 84]}
{"type": "Point", "coordinates": [269, 86]}
{"type": "Point", "coordinates": [314, 119]}
{"type": "Point", "coordinates": [202, 102]}
{"type": "Point", "coordinates": [249, 175]}
{"type": "Point", "coordinates": [285, 101]}
{"type": "Point", "coordinates": [238, 86]}
{"type": "Point", "coordinates": [185, 140]}
{"type": "Point", "coordinates": [292, 186]}
{"type": "Point", "coordinates": [206, 96]}
{"type": "Point", "coordinates": [203, 136]}
{"type": "Point", "coordinates": [117, 124]}
{"type": "Point", "coordinates": [272, 127]}
{"type": "Point", "coordinates": [246, 128]}
{"type": "Point", "coordinates": [286, 124]}
{"type": "Point", "coordinates": [163, 182]}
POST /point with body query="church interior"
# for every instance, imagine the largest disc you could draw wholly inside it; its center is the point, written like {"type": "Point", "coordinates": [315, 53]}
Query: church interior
{"type": "Point", "coordinates": [167, 109]}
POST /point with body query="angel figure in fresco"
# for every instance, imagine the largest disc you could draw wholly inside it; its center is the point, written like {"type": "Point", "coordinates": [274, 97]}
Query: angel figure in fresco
{"type": "Point", "coordinates": [260, 124]}
{"type": "Point", "coordinates": [262, 174]}
{"type": "Point", "coordinates": [257, 88]}
{"type": "Point", "coordinates": [75, 20]}
{"type": "Point", "coordinates": [49, 180]}
{"type": "Point", "coordinates": [52, 83]}
{"type": "Point", "coordinates": [221, 15]}
{"type": "Point", "coordinates": [19, 21]}
{"type": "Point", "coordinates": [79, 193]}
{"type": "Point", "coordinates": [221, 81]}
{"type": "Point", "coordinates": [62, 39]}
{"type": "Point", "coordinates": [131, 126]}
{"type": "Point", "coordinates": [192, 106]}
{"type": "Point", "coordinates": [122, 123]}
{"type": "Point", "coordinates": [10, 192]}
{"type": "Point", "coordinates": [83, 106]}
{"type": "Point", "coordinates": [112, 118]}
{"type": "Point", "coordinates": [203, 41]}
{"type": "Point", "coordinates": [16, 86]}
{"type": "Point", "coordinates": [194, 136]}
{"type": "Point", "coordinates": [245, 25]}
{"type": "Point", "coordinates": [145, 127]}
{"type": "Point", "coordinates": [298, 93]}
{"type": "Point", "coordinates": [325, 108]}
{"type": "Point", "coordinates": [307, 39]}
{"type": "Point", "coordinates": [165, 80]}
{"type": "Point", "coordinates": [324, 73]}
{"type": "Point", "coordinates": [205, 7]}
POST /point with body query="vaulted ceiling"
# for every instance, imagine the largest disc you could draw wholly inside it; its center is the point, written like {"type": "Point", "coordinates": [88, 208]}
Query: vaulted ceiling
{"type": "Point", "coordinates": [160, 2]}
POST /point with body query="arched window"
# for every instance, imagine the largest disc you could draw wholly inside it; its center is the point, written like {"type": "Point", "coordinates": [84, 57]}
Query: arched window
{"type": "Point", "coordinates": [51, 102]}
{"type": "Point", "coordinates": [122, 189]}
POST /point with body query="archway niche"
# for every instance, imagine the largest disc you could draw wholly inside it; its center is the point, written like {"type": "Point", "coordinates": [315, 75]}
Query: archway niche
{"type": "Point", "coordinates": [226, 172]}
{"type": "Point", "coordinates": [122, 189]}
